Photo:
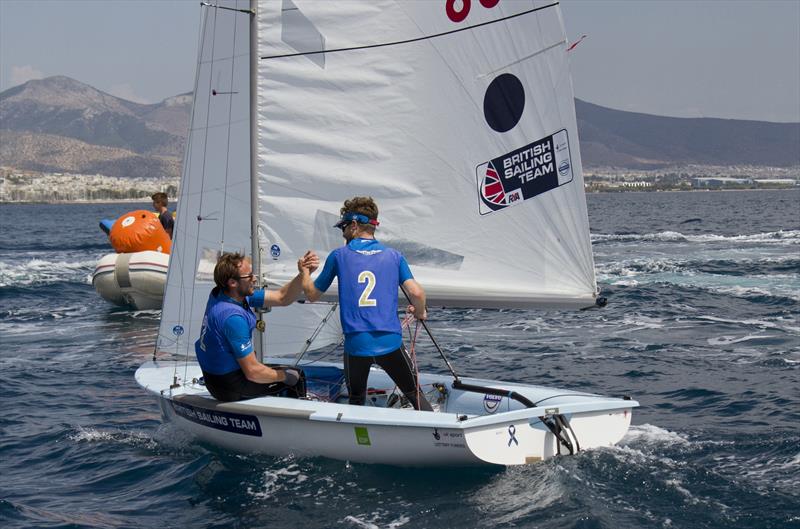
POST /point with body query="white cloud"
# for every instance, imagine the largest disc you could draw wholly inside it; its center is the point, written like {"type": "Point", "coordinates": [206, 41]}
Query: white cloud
{"type": "Point", "coordinates": [126, 91]}
{"type": "Point", "coordinates": [23, 74]}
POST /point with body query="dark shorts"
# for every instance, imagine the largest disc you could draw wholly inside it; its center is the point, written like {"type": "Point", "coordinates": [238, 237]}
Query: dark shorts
{"type": "Point", "coordinates": [396, 364]}
{"type": "Point", "coordinates": [235, 386]}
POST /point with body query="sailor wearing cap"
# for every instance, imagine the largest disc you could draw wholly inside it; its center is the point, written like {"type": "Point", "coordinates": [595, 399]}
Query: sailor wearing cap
{"type": "Point", "coordinates": [369, 275]}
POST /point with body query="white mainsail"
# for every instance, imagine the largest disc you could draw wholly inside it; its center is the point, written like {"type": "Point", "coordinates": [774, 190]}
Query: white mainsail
{"type": "Point", "coordinates": [467, 141]}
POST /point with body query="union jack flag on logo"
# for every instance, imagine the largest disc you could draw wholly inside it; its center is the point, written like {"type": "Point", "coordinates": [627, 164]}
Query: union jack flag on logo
{"type": "Point", "coordinates": [492, 193]}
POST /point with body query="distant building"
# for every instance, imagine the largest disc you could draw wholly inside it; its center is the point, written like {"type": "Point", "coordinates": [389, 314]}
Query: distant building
{"type": "Point", "coordinates": [715, 182]}
{"type": "Point", "coordinates": [777, 182]}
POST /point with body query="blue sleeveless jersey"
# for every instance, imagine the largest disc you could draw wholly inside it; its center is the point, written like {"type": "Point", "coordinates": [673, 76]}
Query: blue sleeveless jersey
{"type": "Point", "coordinates": [215, 351]}
{"type": "Point", "coordinates": [368, 289]}
{"type": "Point", "coordinates": [369, 275]}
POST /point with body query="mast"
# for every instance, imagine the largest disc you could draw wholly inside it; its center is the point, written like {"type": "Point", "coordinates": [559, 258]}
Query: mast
{"type": "Point", "coordinates": [258, 341]}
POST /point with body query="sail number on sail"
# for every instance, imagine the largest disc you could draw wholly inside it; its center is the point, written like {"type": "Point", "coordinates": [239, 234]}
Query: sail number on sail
{"type": "Point", "coordinates": [457, 15]}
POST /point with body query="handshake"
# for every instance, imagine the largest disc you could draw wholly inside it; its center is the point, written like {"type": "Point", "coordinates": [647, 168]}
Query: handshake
{"type": "Point", "coordinates": [309, 261]}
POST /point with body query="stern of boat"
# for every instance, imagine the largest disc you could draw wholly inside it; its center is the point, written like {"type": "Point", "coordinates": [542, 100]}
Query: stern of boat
{"type": "Point", "coordinates": [523, 437]}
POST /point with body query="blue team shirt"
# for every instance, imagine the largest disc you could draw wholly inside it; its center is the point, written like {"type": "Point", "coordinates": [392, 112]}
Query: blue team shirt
{"type": "Point", "coordinates": [369, 274]}
{"type": "Point", "coordinates": [219, 356]}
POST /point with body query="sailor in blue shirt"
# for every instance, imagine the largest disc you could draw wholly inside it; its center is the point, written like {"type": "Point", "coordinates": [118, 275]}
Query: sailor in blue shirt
{"type": "Point", "coordinates": [369, 275]}
{"type": "Point", "coordinates": [225, 347]}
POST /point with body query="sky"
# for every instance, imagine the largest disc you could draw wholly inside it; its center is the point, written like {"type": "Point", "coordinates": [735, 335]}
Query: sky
{"type": "Point", "coordinates": [735, 59]}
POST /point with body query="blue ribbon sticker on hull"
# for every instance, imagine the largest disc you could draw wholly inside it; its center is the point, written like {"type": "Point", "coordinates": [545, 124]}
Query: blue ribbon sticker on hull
{"type": "Point", "coordinates": [221, 420]}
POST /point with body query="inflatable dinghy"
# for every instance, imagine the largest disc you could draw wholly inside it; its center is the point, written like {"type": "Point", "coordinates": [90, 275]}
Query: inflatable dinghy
{"type": "Point", "coordinates": [135, 274]}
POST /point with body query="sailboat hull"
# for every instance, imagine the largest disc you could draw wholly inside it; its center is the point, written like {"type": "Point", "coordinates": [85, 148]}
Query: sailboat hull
{"type": "Point", "coordinates": [467, 429]}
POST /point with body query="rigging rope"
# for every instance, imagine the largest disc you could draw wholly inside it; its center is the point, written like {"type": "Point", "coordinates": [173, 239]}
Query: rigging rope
{"type": "Point", "coordinates": [314, 335]}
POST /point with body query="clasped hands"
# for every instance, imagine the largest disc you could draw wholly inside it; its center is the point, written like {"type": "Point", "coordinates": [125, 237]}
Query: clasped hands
{"type": "Point", "coordinates": [309, 261]}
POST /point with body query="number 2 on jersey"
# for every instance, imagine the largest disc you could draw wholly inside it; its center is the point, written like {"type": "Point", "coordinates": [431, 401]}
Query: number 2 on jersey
{"type": "Point", "coordinates": [369, 278]}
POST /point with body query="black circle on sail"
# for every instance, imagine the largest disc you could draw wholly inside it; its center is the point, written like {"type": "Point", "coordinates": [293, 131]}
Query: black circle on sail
{"type": "Point", "coordinates": [504, 102]}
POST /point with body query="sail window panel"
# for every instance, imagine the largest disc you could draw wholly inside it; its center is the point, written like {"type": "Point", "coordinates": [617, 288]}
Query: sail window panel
{"type": "Point", "coordinates": [300, 33]}
{"type": "Point", "coordinates": [421, 254]}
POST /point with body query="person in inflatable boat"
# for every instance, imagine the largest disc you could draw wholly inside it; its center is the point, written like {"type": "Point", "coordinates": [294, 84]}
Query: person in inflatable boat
{"type": "Point", "coordinates": [160, 203]}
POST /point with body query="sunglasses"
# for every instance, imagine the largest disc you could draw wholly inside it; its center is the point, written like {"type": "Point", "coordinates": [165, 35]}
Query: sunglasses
{"type": "Point", "coordinates": [248, 277]}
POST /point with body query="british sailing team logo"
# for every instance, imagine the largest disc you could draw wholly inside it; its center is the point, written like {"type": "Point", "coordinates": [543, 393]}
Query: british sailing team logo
{"type": "Point", "coordinates": [524, 173]}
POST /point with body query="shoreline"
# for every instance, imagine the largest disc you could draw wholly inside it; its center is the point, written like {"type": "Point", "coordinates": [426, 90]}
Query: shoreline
{"type": "Point", "coordinates": [594, 192]}
{"type": "Point", "coordinates": [99, 201]}
{"type": "Point", "coordinates": [694, 190]}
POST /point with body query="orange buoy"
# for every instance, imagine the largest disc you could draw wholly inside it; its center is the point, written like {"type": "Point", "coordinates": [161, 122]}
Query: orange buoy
{"type": "Point", "coordinates": [138, 231]}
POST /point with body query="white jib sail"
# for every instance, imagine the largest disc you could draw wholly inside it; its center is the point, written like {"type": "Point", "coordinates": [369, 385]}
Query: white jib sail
{"type": "Point", "coordinates": [467, 141]}
{"type": "Point", "coordinates": [213, 213]}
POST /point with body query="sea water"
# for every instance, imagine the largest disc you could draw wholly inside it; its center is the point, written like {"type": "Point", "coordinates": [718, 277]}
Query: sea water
{"type": "Point", "coordinates": [701, 328]}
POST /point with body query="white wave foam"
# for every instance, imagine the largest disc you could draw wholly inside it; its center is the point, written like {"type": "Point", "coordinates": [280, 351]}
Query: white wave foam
{"type": "Point", "coordinates": [628, 455]}
{"type": "Point", "coordinates": [676, 272]}
{"type": "Point", "coordinates": [781, 237]}
{"type": "Point", "coordinates": [637, 267]}
{"type": "Point", "coordinates": [664, 236]}
{"type": "Point", "coordinates": [764, 324]}
{"type": "Point", "coordinates": [506, 503]}
{"type": "Point", "coordinates": [41, 271]}
{"type": "Point", "coordinates": [275, 480]}
{"type": "Point", "coordinates": [650, 434]}
{"type": "Point", "coordinates": [35, 314]}
{"type": "Point", "coordinates": [630, 268]}
{"type": "Point", "coordinates": [93, 435]}
{"type": "Point", "coordinates": [785, 291]}
{"type": "Point", "coordinates": [678, 485]}
{"type": "Point", "coordinates": [776, 472]}
{"type": "Point", "coordinates": [366, 524]}
{"type": "Point", "coordinates": [730, 340]}
{"type": "Point", "coordinates": [638, 322]}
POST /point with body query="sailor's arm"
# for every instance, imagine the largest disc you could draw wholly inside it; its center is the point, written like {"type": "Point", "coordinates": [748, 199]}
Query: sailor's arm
{"type": "Point", "coordinates": [417, 296]}
{"type": "Point", "coordinates": [284, 295]}
{"type": "Point", "coordinates": [314, 289]}
{"type": "Point", "coordinates": [311, 292]}
{"type": "Point", "coordinates": [292, 290]}
{"type": "Point", "coordinates": [237, 334]}
{"type": "Point", "coordinates": [255, 371]}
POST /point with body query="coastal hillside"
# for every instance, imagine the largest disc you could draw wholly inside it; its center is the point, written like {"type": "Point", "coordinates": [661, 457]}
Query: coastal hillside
{"type": "Point", "coordinates": [59, 124]}
{"type": "Point", "coordinates": [632, 140]}
{"type": "Point", "coordinates": [48, 153]}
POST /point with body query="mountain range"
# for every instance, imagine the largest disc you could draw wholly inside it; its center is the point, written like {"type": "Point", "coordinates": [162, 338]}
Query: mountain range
{"type": "Point", "coordinates": [59, 124]}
